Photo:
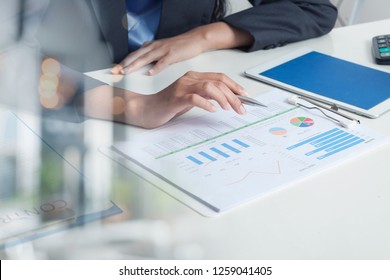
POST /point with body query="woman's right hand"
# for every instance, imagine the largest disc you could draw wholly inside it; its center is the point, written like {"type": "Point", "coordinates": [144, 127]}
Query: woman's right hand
{"type": "Point", "coordinates": [194, 89]}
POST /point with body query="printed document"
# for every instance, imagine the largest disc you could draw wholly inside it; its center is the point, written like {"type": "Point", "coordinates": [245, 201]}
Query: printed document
{"type": "Point", "coordinates": [224, 159]}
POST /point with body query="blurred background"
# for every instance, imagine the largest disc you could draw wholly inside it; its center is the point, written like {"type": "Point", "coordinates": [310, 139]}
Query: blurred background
{"type": "Point", "coordinates": [350, 11]}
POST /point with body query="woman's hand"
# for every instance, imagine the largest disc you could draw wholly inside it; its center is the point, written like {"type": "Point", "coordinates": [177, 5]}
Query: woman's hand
{"type": "Point", "coordinates": [194, 89]}
{"type": "Point", "coordinates": [163, 52]}
{"type": "Point", "coordinates": [187, 45]}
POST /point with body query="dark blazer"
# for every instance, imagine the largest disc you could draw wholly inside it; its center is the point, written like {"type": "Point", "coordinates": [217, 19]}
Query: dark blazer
{"type": "Point", "coordinates": [272, 23]}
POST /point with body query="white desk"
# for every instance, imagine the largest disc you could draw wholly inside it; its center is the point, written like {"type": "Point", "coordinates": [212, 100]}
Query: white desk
{"type": "Point", "coordinates": [342, 213]}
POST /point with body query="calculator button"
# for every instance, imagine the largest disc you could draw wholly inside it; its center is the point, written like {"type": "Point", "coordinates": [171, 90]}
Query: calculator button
{"type": "Point", "coordinates": [382, 45]}
{"type": "Point", "coordinates": [385, 55]}
{"type": "Point", "coordinates": [382, 41]}
{"type": "Point", "coordinates": [384, 50]}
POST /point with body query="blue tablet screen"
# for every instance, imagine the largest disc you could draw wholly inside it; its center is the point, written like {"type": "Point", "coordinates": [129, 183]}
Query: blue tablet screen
{"type": "Point", "coordinates": [334, 78]}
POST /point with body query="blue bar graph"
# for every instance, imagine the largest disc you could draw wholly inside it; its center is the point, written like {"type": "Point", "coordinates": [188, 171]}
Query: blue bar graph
{"type": "Point", "coordinates": [341, 140]}
{"type": "Point", "coordinates": [341, 149]}
{"type": "Point", "coordinates": [319, 142]}
{"type": "Point", "coordinates": [329, 143]}
{"type": "Point", "coordinates": [193, 159]}
{"type": "Point", "coordinates": [231, 148]}
{"type": "Point", "coordinates": [331, 139]}
{"type": "Point", "coordinates": [241, 143]}
{"type": "Point", "coordinates": [207, 156]}
{"type": "Point", "coordinates": [312, 139]}
{"type": "Point", "coordinates": [335, 147]}
{"type": "Point", "coordinates": [219, 152]}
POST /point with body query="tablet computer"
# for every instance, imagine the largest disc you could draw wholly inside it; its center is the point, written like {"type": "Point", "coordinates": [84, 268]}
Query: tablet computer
{"type": "Point", "coordinates": [350, 86]}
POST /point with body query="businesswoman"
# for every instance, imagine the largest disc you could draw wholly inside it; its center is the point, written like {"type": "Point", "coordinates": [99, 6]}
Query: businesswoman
{"type": "Point", "coordinates": [187, 28]}
{"type": "Point", "coordinates": [140, 32]}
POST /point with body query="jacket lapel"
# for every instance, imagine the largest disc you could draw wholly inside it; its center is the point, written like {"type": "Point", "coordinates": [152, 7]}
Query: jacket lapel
{"type": "Point", "coordinates": [111, 16]}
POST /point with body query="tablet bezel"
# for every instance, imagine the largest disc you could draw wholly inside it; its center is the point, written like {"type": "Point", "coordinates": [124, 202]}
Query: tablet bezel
{"type": "Point", "coordinates": [254, 73]}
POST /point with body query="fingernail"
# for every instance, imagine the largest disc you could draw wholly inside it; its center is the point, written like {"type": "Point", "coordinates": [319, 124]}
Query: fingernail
{"type": "Point", "coordinates": [244, 92]}
{"type": "Point", "coordinates": [150, 72]}
{"type": "Point", "coordinates": [214, 109]}
{"type": "Point", "coordinates": [242, 110]}
{"type": "Point", "coordinates": [114, 70]}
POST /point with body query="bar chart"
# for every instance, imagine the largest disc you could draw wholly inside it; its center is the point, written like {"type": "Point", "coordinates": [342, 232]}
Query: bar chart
{"type": "Point", "coordinates": [224, 150]}
{"type": "Point", "coordinates": [329, 143]}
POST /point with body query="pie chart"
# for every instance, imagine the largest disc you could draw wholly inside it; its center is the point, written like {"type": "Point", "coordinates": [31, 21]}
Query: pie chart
{"type": "Point", "coordinates": [278, 131]}
{"type": "Point", "coordinates": [302, 122]}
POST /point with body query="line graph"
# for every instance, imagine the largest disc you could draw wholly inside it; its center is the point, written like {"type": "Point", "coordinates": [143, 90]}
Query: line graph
{"type": "Point", "coordinates": [254, 172]}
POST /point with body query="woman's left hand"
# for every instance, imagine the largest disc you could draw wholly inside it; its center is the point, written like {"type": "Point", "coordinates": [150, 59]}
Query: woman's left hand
{"type": "Point", "coordinates": [164, 52]}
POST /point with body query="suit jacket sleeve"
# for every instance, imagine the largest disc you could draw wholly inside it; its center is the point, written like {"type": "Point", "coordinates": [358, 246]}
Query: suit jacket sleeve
{"type": "Point", "coordinates": [274, 23]}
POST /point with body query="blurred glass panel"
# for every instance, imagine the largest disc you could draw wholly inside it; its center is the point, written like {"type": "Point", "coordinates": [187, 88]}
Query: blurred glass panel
{"type": "Point", "coordinates": [43, 193]}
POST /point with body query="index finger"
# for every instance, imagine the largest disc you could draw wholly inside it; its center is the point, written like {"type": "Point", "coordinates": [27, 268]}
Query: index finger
{"type": "Point", "coordinates": [130, 58]}
{"type": "Point", "coordinates": [117, 69]}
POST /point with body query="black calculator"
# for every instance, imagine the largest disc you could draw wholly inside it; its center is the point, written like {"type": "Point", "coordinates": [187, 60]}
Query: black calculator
{"type": "Point", "coordinates": [381, 49]}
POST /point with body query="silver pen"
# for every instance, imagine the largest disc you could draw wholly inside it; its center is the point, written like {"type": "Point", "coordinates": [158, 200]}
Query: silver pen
{"type": "Point", "coordinates": [250, 101]}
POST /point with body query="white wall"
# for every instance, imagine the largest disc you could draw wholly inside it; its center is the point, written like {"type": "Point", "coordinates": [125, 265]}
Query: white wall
{"type": "Point", "coordinates": [369, 10]}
